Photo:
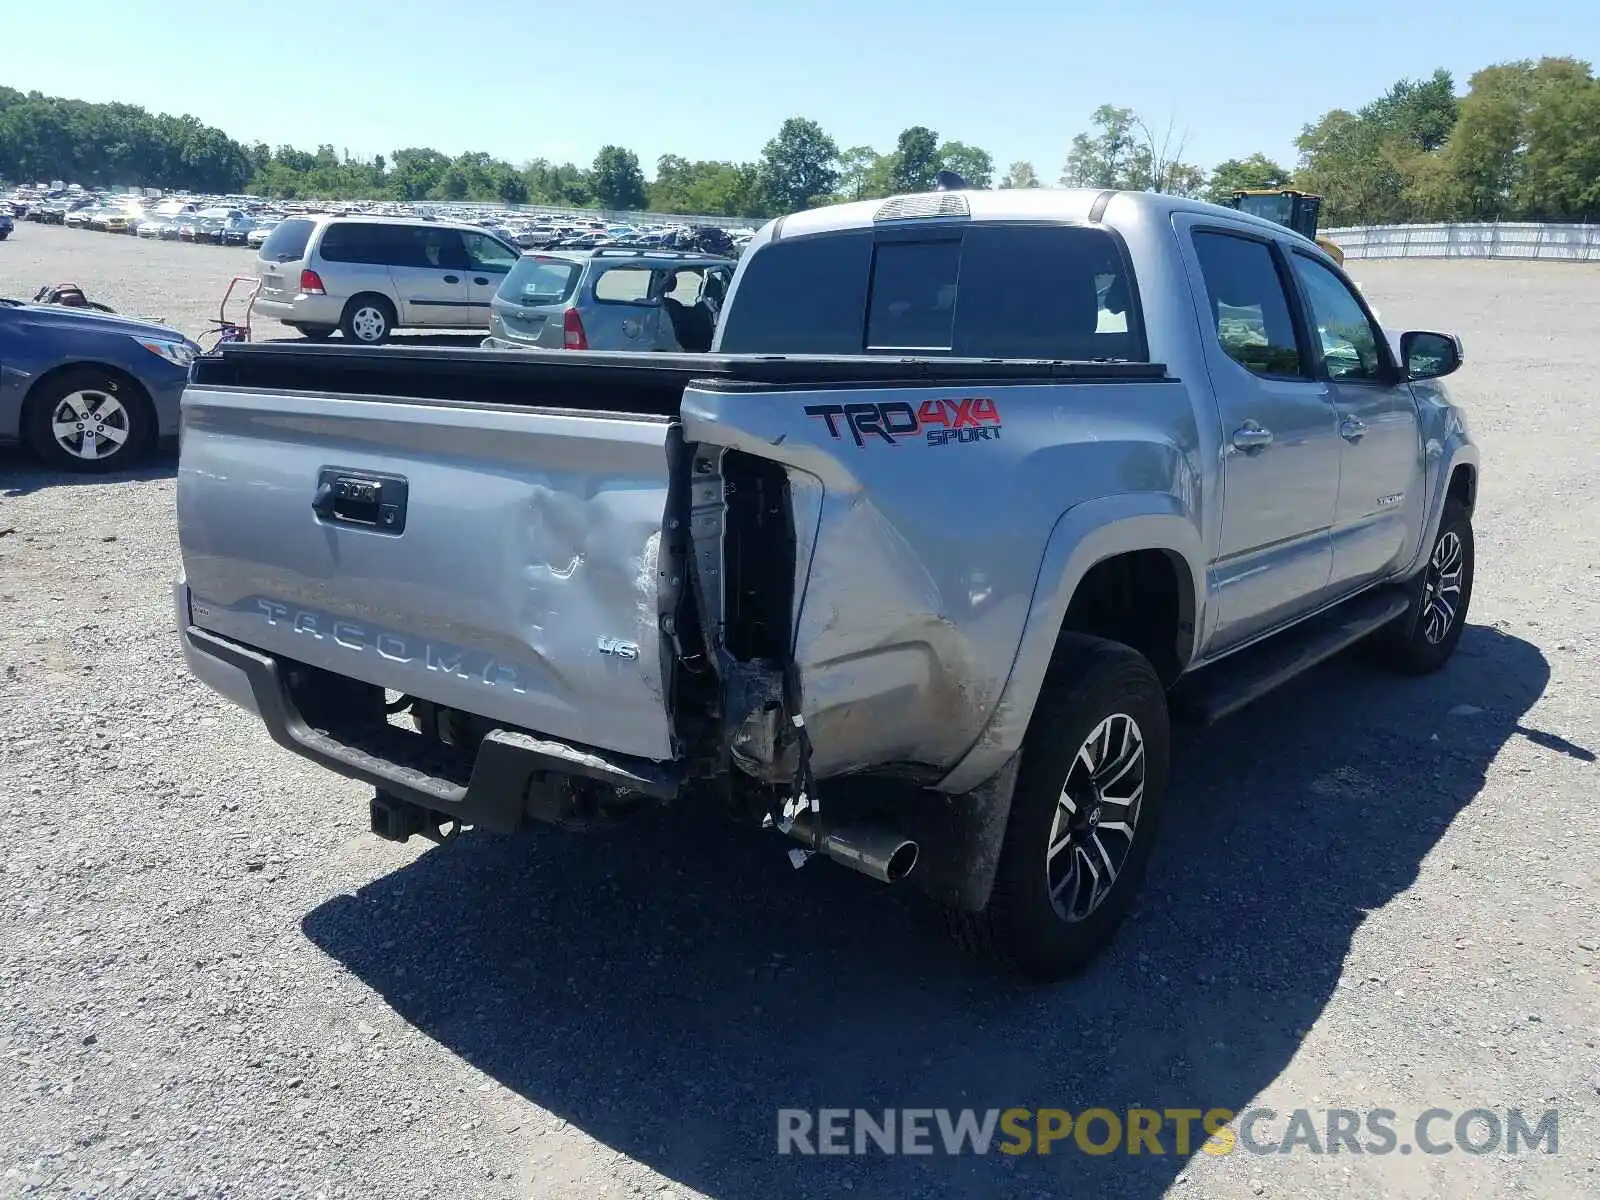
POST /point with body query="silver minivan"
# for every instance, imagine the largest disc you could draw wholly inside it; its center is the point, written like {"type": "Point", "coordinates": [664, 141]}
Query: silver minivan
{"type": "Point", "coordinates": [369, 276]}
{"type": "Point", "coordinates": [615, 298]}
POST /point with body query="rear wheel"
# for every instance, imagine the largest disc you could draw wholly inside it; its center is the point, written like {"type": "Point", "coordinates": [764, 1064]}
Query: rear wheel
{"type": "Point", "coordinates": [368, 320]}
{"type": "Point", "coordinates": [1084, 814]}
{"type": "Point", "coordinates": [89, 420]}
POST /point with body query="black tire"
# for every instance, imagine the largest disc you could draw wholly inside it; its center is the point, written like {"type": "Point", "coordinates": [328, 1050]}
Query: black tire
{"type": "Point", "coordinates": [1413, 643]}
{"type": "Point", "coordinates": [368, 320]}
{"type": "Point", "coordinates": [136, 421]}
{"type": "Point", "coordinates": [1021, 931]}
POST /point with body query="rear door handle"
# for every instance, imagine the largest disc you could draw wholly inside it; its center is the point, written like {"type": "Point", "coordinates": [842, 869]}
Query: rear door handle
{"type": "Point", "coordinates": [480, 279]}
{"type": "Point", "coordinates": [452, 279]}
{"type": "Point", "coordinates": [1351, 429]}
{"type": "Point", "coordinates": [1251, 436]}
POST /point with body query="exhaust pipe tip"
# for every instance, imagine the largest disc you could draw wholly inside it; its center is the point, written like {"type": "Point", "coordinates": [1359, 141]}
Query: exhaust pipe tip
{"type": "Point", "coordinates": [877, 853]}
{"type": "Point", "coordinates": [901, 862]}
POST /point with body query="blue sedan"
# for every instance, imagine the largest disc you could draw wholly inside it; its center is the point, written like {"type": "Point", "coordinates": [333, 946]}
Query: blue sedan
{"type": "Point", "coordinates": [88, 391]}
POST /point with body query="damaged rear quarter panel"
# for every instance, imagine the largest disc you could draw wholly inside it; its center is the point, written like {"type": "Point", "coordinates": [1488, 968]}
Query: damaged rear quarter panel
{"type": "Point", "coordinates": [927, 550]}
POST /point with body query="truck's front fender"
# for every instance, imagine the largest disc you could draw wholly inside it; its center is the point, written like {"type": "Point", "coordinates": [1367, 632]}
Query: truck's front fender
{"type": "Point", "coordinates": [1084, 535]}
{"type": "Point", "coordinates": [1446, 447]}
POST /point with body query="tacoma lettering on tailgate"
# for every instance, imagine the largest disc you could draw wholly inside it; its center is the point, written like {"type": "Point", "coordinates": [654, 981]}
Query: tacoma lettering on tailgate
{"type": "Point", "coordinates": [433, 656]}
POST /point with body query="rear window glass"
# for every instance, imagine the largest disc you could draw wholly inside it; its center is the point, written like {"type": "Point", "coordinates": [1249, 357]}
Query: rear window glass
{"type": "Point", "coordinates": [288, 241]}
{"type": "Point", "coordinates": [914, 296]}
{"type": "Point", "coordinates": [993, 291]}
{"type": "Point", "coordinates": [535, 281]}
{"type": "Point", "coordinates": [806, 296]}
{"type": "Point", "coordinates": [623, 285]}
{"type": "Point", "coordinates": [1044, 292]}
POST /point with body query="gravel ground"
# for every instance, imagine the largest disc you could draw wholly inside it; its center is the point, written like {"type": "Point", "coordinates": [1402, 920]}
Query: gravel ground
{"type": "Point", "coordinates": [1371, 893]}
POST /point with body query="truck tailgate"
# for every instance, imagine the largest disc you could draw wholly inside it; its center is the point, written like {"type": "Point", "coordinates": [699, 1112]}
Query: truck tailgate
{"type": "Point", "coordinates": [509, 569]}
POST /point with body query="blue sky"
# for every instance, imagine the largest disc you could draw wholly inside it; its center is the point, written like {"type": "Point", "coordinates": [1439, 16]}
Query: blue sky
{"type": "Point", "coordinates": [521, 78]}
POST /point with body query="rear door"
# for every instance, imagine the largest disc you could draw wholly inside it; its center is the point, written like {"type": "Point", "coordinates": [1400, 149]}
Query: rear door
{"type": "Point", "coordinates": [489, 260]}
{"type": "Point", "coordinates": [429, 267]}
{"type": "Point", "coordinates": [500, 559]}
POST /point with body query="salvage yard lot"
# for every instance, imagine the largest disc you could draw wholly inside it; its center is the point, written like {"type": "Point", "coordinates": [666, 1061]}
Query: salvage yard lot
{"type": "Point", "coordinates": [1371, 893]}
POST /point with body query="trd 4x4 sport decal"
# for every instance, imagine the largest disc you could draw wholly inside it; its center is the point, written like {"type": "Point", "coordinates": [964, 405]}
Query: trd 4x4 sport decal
{"type": "Point", "coordinates": [970, 419]}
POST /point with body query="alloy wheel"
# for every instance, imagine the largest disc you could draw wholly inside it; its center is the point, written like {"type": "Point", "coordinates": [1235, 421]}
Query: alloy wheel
{"type": "Point", "coordinates": [1441, 589]}
{"type": "Point", "coordinates": [90, 424]}
{"type": "Point", "coordinates": [1096, 815]}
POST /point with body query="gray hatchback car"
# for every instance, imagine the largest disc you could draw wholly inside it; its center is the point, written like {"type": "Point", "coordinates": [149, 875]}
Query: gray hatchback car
{"type": "Point", "coordinates": [615, 298]}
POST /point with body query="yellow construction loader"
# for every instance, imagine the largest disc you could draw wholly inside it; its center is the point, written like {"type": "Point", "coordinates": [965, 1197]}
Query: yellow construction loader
{"type": "Point", "coordinates": [1297, 210]}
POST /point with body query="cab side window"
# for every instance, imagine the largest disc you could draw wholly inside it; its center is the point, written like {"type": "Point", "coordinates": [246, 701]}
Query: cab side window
{"type": "Point", "coordinates": [1347, 341]}
{"type": "Point", "coordinates": [1249, 306]}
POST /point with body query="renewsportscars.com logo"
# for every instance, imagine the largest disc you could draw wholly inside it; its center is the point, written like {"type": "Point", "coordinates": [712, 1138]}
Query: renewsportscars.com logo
{"type": "Point", "coordinates": [1150, 1131]}
{"type": "Point", "coordinates": [942, 422]}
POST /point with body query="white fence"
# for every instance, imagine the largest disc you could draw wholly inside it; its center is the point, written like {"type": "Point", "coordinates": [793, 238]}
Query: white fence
{"type": "Point", "coordinates": [1498, 239]}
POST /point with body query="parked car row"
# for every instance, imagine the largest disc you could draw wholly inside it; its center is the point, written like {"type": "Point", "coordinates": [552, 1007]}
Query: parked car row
{"type": "Point", "coordinates": [365, 277]}
{"type": "Point", "coordinates": [246, 220]}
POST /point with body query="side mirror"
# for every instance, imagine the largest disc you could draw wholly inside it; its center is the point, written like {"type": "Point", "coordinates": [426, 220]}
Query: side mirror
{"type": "Point", "coordinates": [1429, 355]}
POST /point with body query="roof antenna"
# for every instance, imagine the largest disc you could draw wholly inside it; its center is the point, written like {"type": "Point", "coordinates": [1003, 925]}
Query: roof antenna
{"type": "Point", "coordinates": [948, 181]}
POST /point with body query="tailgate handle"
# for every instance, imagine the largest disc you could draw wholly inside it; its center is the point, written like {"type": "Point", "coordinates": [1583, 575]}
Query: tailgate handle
{"type": "Point", "coordinates": [364, 499]}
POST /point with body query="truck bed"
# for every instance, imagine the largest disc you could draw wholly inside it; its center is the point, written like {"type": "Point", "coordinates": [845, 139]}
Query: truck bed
{"type": "Point", "coordinates": [543, 539]}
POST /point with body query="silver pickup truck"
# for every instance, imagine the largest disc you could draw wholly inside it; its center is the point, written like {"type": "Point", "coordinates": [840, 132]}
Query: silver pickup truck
{"type": "Point", "coordinates": [975, 492]}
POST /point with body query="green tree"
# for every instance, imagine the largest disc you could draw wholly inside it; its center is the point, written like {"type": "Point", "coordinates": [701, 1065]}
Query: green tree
{"type": "Point", "coordinates": [51, 137]}
{"type": "Point", "coordinates": [617, 180]}
{"type": "Point", "coordinates": [1366, 164]}
{"type": "Point", "coordinates": [1487, 152]}
{"type": "Point", "coordinates": [969, 162]}
{"type": "Point", "coordinates": [856, 166]}
{"type": "Point", "coordinates": [1020, 174]}
{"type": "Point", "coordinates": [1561, 167]}
{"type": "Point", "coordinates": [552, 183]}
{"type": "Point", "coordinates": [799, 167]}
{"type": "Point", "coordinates": [915, 160]}
{"type": "Point", "coordinates": [1126, 151]}
{"type": "Point", "coordinates": [714, 188]}
{"type": "Point", "coordinates": [1257, 171]}
{"type": "Point", "coordinates": [1108, 157]}
{"type": "Point", "coordinates": [417, 172]}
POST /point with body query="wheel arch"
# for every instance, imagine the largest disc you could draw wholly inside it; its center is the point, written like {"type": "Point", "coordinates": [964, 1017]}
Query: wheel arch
{"type": "Point", "coordinates": [1463, 485]}
{"type": "Point", "coordinates": [40, 386]}
{"type": "Point", "coordinates": [1142, 532]}
{"type": "Point", "coordinates": [1456, 478]}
